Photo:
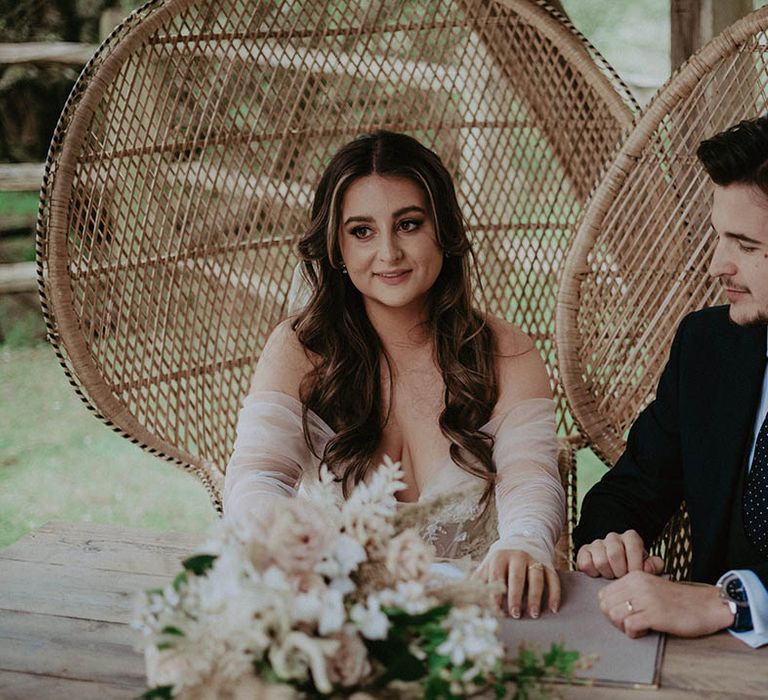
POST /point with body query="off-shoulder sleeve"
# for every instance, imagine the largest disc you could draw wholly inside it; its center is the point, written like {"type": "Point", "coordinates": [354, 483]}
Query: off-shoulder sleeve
{"type": "Point", "coordinates": [530, 500]}
{"type": "Point", "coordinates": [270, 453]}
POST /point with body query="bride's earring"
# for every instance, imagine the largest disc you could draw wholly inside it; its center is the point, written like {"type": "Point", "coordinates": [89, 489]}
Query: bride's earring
{"type": "Point", "coordinates": [344, 269]}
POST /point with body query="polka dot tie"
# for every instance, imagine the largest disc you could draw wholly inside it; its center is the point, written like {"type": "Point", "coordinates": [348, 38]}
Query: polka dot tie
{"type": "Point", "coordinates": [756, 494]}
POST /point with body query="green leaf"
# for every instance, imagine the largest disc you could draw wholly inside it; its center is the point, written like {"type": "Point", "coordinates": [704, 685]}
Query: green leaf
{"type": "Point", "coordinates": [179, 581]}
{"type": "Point", "coordinates": [385, 650]}
{"type": "Point", "coordinates": [175, 631]}
{"type": "Point", "coordinates": [561, 661]}
{"type": "Point", "coordinates": [458, 671]}
{"type": "Point", "coordinates": [162, 692]}
{"type": "Point", "coordinates": [436, 688]}
{"type": "Point", "coordinates": [199, 563]}
{"type": "Point", "coordinates": [530, 669]}
{"type": "Point", "coordinates": [397, 659]}
{"type": "Point", "coordinates": [433, 640]}
{"type": "Point", "coordinates": [263, 669]}
{"type": "Point", "coordinates": [407, 668]}
{"type": "Point", "coordinates": [435, 662]}
{"type": "Point", "coordinates": [400, 617]}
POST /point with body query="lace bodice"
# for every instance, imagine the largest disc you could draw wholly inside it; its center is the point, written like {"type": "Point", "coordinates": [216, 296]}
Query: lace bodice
{"type": "Point", "coordinates": [272, 460]}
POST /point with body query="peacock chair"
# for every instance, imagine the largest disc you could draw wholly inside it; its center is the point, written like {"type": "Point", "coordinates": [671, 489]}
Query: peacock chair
{"type": "Point", "coordinates": [181, 173]}
{"type": "Point", "coordinates": [639, 259]}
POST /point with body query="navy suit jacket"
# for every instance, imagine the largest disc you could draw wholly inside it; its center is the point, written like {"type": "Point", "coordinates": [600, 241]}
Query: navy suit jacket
{"type": "Point", "coordinates": [690, 443]}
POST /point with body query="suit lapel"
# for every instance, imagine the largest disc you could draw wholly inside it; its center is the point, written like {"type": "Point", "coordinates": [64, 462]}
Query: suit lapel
{"type": "Point", "coordinates": [734, 404]}
{"type": "Point", "coordinates": [743, 381]}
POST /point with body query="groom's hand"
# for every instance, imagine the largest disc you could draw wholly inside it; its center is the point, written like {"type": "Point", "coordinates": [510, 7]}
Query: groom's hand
{"type": "Point", "coordinates": [640, 602]}
{"type": "Point", "coordinates": [617, 555]}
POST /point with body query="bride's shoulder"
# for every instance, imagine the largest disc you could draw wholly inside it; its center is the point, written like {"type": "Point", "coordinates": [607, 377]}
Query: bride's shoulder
{"type": "Point", "coordinates": [521, 371]}
{"type": "Point", "coordinates": [283, 364]}
{"type": "Point", "coordinates": [511, 340]}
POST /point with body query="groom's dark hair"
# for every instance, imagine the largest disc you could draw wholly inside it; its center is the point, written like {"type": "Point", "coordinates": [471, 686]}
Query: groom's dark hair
{"type": "Point", "coordinates": [738, 154]}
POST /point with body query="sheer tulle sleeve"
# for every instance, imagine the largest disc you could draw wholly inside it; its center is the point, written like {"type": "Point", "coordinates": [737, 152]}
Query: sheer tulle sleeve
{"type": "Point", "coordinates": [270, 453]}
{"type": "Point", "coordinates": [530, 500]}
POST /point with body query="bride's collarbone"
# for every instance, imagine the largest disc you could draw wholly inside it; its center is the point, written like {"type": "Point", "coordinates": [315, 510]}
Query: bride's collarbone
{"type": "Point", "coordinates": [417, 390]}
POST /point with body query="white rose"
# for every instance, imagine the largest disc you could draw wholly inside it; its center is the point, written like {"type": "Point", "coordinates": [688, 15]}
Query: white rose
{"type": "Point", "coordinates": [299, 536]}
{"type": "Point", "coordinates": [408, 557]}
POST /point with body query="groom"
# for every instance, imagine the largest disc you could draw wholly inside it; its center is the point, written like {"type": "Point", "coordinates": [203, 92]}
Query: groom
{"type": "Point", "coordinates": [704, 438]}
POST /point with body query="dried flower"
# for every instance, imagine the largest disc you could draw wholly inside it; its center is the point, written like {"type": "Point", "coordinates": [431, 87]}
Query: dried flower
{"type": "Point", "coordinates": [369, 512]}
{"type": "Point", "coordinates": [300, 655]}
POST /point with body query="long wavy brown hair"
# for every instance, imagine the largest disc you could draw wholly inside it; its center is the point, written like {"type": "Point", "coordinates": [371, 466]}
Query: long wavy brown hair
{"type": "Point", "coordinates": [345, 386]}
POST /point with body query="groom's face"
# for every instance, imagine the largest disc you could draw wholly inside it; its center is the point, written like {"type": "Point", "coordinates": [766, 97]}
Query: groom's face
{"type": "Point", "coordinates": [740, 261]}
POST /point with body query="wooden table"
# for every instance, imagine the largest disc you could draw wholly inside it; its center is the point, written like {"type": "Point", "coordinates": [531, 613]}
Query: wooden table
{"type": "Point", "coordinates": [66, 599]}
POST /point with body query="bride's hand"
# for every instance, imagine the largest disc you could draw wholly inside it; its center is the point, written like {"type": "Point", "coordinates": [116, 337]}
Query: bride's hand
{"type": "Point", "coordinates": [520, 574]}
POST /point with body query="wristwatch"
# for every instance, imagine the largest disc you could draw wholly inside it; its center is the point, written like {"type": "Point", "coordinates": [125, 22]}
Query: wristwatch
{"type": "Point", "coordinates": [732, 592]}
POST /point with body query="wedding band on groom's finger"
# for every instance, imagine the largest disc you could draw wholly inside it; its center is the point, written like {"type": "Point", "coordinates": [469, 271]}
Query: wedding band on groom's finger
{"type": "Point", "coordinates": [536, 566]}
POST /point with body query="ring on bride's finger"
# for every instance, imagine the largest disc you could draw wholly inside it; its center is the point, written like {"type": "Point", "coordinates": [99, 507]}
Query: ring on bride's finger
{"type": "Point", "coordinates": [630, 607]}
{"type": "Point", "coordinates": [536, 566]}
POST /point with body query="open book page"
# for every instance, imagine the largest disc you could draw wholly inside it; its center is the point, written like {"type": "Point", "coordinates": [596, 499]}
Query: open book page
{"type": "Point", "coordinates": [614, 658]}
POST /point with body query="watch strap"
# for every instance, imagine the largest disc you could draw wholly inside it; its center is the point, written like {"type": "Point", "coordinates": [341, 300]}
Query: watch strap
{"type": "Point", "coordinates": [732, 591]}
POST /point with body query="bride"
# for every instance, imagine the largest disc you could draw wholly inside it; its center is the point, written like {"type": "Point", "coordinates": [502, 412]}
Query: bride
{"type": "Point", "coordinates": [388, 357]}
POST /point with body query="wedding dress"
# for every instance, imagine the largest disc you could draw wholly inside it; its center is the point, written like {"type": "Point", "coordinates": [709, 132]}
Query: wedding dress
{"type": "Point", "coordinates": [271, 460]}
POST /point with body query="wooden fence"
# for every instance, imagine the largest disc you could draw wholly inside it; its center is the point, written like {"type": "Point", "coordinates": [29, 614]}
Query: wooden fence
{"type": "Point", "coordinates": [27, 177]}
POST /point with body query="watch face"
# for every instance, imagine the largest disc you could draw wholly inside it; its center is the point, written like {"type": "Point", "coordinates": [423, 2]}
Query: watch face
{"type": "Point", "coordinates": [733, 592]}
{"type": "Point", "coordinates": [734, 589]}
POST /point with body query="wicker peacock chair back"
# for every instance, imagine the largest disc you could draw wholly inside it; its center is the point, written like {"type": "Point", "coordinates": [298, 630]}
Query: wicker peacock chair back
{"type": "Point", "coordinates": [182, 171]}
{"type": "Point", "coordinates": [639, 260]}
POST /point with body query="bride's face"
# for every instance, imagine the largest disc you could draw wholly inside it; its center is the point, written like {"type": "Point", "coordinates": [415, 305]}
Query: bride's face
{"type": "Point", "coordinates": [388, 242]}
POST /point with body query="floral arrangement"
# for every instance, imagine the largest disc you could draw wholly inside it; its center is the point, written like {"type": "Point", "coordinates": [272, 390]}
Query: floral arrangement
{"type": "Point", "coordinates": [330, 598]}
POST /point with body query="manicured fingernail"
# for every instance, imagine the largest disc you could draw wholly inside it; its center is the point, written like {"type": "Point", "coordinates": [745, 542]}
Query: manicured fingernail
{"type": "Point", "coordinates": [554, 608]}
{"type": "Point", "coordinates": [534, 612]}
{"type": "Point", "coordinates": [516, 613]}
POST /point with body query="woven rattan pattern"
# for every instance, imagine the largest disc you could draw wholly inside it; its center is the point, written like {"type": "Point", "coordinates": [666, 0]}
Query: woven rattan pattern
{"type": "Point", "coordinates": [182, 169]}
{"type": "Point", "coordinates": [639, 260]}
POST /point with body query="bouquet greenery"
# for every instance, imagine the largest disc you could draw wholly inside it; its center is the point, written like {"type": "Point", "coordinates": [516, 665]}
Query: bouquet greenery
{"type": "Point", "coordinates": [329, 598]}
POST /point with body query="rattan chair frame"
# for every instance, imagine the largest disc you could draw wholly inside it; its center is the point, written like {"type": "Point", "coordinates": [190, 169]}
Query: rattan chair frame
{"type": "Point", "coordinates": [60, 271]}
{"type": "Point", "coordinates": [588, 305]}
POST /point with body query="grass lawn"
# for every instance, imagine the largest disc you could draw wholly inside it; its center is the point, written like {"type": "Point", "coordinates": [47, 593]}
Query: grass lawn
{"type": "Point", "coordinates": [589, 469]}
{"type": "Point", "coordinates": [58, 461]}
